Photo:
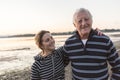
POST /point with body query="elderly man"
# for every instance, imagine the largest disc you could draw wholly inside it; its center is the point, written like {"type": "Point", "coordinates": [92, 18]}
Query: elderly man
{"type": "Point", "coordinates": [89, 52]}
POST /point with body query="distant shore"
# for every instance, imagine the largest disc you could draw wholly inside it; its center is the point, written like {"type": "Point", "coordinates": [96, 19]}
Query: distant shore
{"type": "Point", "coordinates": [25, 74]}
{"type": "Point", "coordinates": [59, 33]}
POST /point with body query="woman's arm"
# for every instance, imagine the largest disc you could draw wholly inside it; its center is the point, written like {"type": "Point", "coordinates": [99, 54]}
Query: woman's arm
{"type": "Point", "coordinates": [34, 72]}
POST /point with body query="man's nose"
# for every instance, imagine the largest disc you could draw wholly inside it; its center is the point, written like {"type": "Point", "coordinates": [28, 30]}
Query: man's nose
{"type": "Point", "coordinates": [83, 22]}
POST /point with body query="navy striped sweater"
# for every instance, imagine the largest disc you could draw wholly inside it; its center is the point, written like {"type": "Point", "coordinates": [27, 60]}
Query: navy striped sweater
{"type": "Point", "coordinates": [50, 67]}
{"type": "Point", "coordinates": [89, 62]}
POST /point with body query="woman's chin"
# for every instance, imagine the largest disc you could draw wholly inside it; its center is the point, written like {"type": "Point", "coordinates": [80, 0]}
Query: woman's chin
{"type": "Point", "coordinates": [53, 48]}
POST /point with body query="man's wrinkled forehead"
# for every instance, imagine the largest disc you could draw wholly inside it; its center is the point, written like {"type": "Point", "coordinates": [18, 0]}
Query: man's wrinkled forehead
{"type": "Point", "coordinates": [83, 12]}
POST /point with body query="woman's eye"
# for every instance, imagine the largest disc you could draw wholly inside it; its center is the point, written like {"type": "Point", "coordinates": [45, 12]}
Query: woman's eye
{"type": "Point", "coordinates": [80, 21]}
{"type": "Point", "coordinates": [46, 40]}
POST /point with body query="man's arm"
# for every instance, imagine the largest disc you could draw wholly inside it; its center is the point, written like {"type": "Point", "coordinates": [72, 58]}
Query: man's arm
{"type": "Point", "coordinates": [66, 59]}
{"type": "Point", "coordinates": [114, 60]}
{"type": "Point", "coordinates": [64, 56]}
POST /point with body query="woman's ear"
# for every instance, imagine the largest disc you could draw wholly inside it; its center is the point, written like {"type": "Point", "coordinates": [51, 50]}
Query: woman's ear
{"type": "Point", "coordinates": [40, 46]}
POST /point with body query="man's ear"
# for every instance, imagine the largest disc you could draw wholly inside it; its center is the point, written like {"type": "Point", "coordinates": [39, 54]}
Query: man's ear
{"type": "Point", "coordinates": [74, 24]}
{"type": "Point", "coordinates": [41, 47]}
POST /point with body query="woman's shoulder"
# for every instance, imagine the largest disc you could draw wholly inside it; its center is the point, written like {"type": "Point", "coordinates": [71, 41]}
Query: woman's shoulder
{"type": "Point", "coordinates": [59, 49]}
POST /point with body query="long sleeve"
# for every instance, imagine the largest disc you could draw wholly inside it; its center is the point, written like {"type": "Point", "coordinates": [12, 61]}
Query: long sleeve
{"type": "Point", "coordinates": [114, 60]}
{"type": "Point", "coordinates": [65, 59]}
{"type": "Point", "coordinates": [64, 56]}
{"type": "Point", "coordinates": [34, 72]}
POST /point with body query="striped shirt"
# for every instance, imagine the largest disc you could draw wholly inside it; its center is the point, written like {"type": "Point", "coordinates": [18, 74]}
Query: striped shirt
{"type": "Point", "coordinates": [48, 68]}
{"type": "Point", "coordinates": [89, 61]}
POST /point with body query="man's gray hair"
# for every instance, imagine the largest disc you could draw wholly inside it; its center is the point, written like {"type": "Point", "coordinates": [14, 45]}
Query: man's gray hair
{"type": "Point", "coordinates": [80, 10]}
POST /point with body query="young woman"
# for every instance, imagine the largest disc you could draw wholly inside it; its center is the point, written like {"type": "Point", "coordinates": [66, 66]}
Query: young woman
{"type": "Point", "coordinates": [49, 63]}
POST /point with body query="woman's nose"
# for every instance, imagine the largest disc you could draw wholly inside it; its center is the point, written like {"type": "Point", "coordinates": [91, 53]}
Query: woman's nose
{"type": "Point", "coordinates": [52, 40]}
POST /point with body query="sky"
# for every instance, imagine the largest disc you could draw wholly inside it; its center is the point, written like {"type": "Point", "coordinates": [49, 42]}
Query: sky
{"type": "Point", "coordinates": [31, 16]}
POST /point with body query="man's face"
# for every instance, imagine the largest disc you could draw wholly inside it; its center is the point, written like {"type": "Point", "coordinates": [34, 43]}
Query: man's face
{"type": "Point", "coordinates": [83, 23]}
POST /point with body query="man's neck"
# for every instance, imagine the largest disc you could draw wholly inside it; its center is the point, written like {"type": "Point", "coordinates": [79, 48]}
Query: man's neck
{"type": "Point", "coordinates": [84, 36]}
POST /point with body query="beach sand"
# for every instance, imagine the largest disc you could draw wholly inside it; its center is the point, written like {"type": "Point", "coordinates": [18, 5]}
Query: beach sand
{"type": "Point", "coordinates": [25, 74]}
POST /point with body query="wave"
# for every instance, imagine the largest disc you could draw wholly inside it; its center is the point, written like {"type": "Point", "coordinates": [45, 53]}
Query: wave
{"type": "Point", "coordinates": [27, 48]}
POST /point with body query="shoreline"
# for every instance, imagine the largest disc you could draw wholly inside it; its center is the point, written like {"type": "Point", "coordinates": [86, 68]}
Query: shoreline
{"type": "Point", "coordinates": [25, 73]}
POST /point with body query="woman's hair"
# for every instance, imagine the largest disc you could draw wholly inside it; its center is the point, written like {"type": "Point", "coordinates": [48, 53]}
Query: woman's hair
{"type": "Point", "coordinates": [38, 38]}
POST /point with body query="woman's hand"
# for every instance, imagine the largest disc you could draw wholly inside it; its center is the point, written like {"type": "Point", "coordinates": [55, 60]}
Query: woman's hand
{"type": "Point", "coordinates": [99, 32]}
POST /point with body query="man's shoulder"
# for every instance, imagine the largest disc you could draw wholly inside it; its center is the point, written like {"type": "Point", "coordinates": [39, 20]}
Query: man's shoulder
{"type": "Point", "coordinates": [101, 37]}
{"type": "Point", "coordinates": [72, 37]}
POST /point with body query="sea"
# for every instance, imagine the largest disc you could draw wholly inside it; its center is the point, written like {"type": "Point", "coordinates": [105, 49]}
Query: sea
{"type": "Point", "coordinates": [17, 53]}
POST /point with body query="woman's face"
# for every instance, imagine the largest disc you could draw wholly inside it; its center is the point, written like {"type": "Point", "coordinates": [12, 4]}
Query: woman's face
{"type": "Point", "coordinates": [48, 43]}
